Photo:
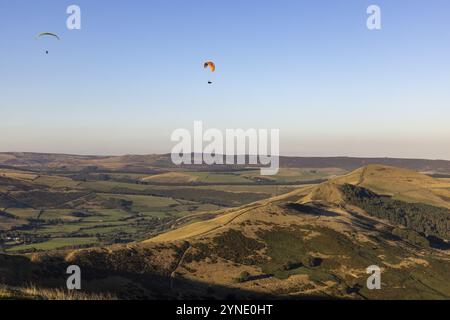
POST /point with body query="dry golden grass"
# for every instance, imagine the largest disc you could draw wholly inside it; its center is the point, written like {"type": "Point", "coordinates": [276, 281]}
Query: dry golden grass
{"type": "Point", "coordinates": [328, 192]}
{"type": "Point", "coordinates": [34, 293]}
{"type": "Point", "coordinates": [17, 175]}
{"type": "Point", "coordinates": [195, 229]}
{"type": "Point", "coordinates": [408, 263]}
{"type": "Point", "coordinates": [4, 293]}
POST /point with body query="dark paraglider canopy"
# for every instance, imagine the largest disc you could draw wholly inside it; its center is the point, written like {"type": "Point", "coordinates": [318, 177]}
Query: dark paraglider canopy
{"type": "Point", "coordinates": [47, 34]}
{"type": "Point", "coordinates": [50, 34]}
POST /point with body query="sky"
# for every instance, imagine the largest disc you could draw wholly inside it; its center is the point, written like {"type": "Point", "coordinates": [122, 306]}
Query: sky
{"type": "Point", "coordinates": [311, 68]}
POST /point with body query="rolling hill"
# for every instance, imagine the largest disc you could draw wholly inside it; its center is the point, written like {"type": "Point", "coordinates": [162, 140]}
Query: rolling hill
{"type": "Point", "coordinates": [313, 242]}
{"type": "Point", "coordinates": [162, 162]}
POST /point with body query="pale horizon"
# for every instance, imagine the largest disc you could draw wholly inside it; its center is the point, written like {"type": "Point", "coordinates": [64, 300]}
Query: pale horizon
{"type": "Point", "coordinates": [168, 153]}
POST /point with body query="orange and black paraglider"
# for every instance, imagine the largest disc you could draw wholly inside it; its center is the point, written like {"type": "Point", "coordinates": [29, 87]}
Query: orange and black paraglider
{"type": "Point", "coordinates": [211, 66]}
{"type": "Point", "coordinates": [47, 34]}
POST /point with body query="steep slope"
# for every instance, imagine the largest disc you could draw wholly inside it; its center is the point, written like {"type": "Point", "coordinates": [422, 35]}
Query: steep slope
{"type": "Point", "coordinates": [315, 242]}
{"type": "Point", "coordinates": [315, 218]}
{"type": "Point", "coordinates": [401, 184]}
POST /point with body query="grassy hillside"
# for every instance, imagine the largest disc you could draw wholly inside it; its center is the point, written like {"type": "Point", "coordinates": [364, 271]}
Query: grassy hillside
{"type": "Point", "coordinates": [313, 242]}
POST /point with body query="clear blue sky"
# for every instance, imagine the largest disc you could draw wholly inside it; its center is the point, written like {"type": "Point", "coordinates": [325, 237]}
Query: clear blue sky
{"type": "Point", "coordinates": [133, 74]}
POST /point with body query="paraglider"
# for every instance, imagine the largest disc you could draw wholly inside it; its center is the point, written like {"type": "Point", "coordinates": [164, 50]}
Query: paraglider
{"type": "Point", "coordinates": [47, 34]}
{"type": "Point", "coordinates": [42, 34]}
{"type": "Point", "coordinates": [211, 66]}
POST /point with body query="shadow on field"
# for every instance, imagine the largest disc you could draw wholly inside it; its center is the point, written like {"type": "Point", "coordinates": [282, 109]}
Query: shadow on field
{"type": "Point", "coordinates": [438, 243]}
{"type": "Point", "coordinates": [309, 210]}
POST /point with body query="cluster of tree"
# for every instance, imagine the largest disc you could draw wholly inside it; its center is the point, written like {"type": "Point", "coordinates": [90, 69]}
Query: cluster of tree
{"type": "Point", "coordinates": [46, 199]}
{"type": "Point", "coordinates": [411, 236]}
{"type": "Point", "coordinates": [422, 218]}
{"type": "Point", "coordinates": [113, 203]}
{"type": "Point", "coordinates": [86, 176]}
{"type": "Point", "coordinates": [304, 261]}
{"type": "Point", "coordinates": [243, 277]}
{"type": "Point", "coordinates": [119, 237]}
{"type": "Point", "coordinates": [235, 246]}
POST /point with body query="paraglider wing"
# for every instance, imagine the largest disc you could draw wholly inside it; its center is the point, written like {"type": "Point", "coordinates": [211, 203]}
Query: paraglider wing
{"type": "Point", "coordinates": [210, 65]}
{"type": "Point", "coordinates": [49, 34]}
